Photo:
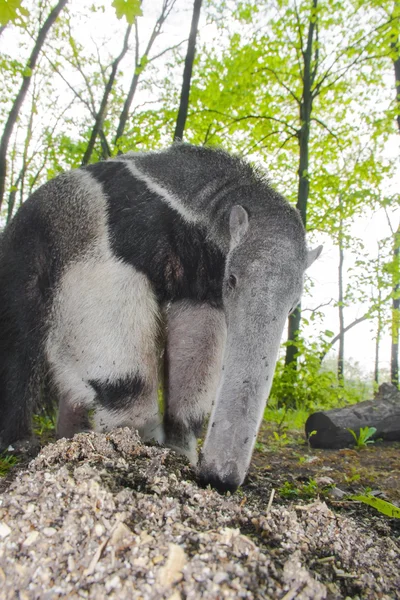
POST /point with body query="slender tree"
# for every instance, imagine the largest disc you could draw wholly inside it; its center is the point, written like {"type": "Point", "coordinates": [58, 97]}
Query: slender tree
{"type": "Point", "coordinates": [394, 354]}
{"type": "Point", "coordinates": [395, 46]}
{"type": "Point", "coordinates": [19, 99]}
{"type": "Point", "coordinates": [187, 73]}
{"type": "Point", "coordinates": [141, 61]}
{"type": "Point", "coordinates": [377, 343]}
{"type": "Point", "coordinates": [309, 73]}
{"type": "Point", "coordinates": [340, 364]}
{"type": "Point", "coordinates": [20, 179]}
{"type": "Point", "coordinates": [97, 127]}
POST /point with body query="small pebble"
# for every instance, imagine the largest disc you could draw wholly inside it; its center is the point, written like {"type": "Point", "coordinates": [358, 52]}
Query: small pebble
{"type": "Point", "coordinates": [4, 530]}
{"type": "Point", "coordinates": [31, 539]}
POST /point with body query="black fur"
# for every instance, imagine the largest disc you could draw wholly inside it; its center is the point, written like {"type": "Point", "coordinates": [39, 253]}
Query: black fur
{"type": "Point", "coordinates": [176, 430]}
{"type": "Point", "coordinates": [230, 483]}
{"type": "Point", "coordinates": [118, 394]}
{"type": "Point", "coordinates": [148, 234]}
{"type": "Point", "coordinates": [25, 295]}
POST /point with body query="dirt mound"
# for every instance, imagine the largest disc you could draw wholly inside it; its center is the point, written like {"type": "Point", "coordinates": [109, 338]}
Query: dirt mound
{"type": "Point", "coordinates": [103, 516]}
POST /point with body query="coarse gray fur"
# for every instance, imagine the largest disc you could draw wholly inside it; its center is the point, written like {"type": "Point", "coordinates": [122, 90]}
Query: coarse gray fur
{"type": "Point", "coordinates": [233, 256]}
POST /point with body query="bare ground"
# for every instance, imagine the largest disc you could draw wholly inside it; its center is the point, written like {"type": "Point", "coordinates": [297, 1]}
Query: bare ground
{"type": "Point", "coordinates": [103, 516]}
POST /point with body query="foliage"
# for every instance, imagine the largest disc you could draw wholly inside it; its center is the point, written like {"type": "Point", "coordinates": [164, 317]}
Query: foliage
{"type": "Point", "coordinates": [364, 436]}
{"type": "Point", "coordinates": [7, 461]}
{"type": "Point", "coordinates": [280, 439]}
{"type": "Point", "coordinates": [284, 417]}
{"type": "Point", "coordinates": [44, 425]}
{"type": "Point", "coordinates": [308, 490]}
{"type": "Point", "coordinates": [353, 477]}
{"type": "Point", "coordinates": [130, 9]}
{"type": "Point", "coordinates": [384, 507]}
{"type": "Point", "coordinates": [312, 387]}
{"type": "Point", "coordinates": [12, 11]}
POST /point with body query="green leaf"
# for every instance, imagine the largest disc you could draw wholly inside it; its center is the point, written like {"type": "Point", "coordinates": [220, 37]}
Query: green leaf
{"type": "Point", "coordinates": [130, 9]}
{"type": "Point", "coordinates": [364, 436]}
{"type": "Point", "coordinates": [11, 11]}
{"type": "Point", "coordinates": [386, 508]}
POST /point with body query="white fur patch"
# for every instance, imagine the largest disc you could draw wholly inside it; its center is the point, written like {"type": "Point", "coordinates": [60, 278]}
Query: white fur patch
{"type": "Point", "coordinates": [150, 427]}
{"type": "Point", "coordinates": [105, 320]}
{"type": "Point", "coordinates": [171, 199]}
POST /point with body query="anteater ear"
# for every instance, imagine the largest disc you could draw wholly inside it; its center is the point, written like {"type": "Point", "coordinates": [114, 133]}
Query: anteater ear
{"type": "Point", "coordinates": [312, 255]}
{"type": "Point", "coordinates": [238, 224]}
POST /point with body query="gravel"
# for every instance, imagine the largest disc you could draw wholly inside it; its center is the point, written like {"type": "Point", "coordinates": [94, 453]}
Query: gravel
{"type": "Point", "coordinates": [104, 516]}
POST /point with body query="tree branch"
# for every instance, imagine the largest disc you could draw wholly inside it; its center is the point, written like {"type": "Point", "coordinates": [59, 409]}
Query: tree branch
{"type": "Point", "coordinates": [245, 117]}
{"type": "Point", "coordinates": [313, 310]}
{"type": "Point", "coordinates": [325, 127]}
{"type": "Point", "coordinates": [345, 330]}
{"type": "Point", "coordinates": [102, 110]}
{"type": "Point", "coordinates": [257, 144]}
{"type": "Point", "coordinates": [141, 64]}
{"type": "Point", "coordinates": [280, 82]}
{"type": "Point", "coordinates": [16, 107]}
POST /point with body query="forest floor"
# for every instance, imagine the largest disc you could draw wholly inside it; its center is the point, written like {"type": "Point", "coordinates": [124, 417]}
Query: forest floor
{"type": "Point", "coordinates": [103, 516]}
{"type": "Point", "coordinates": [295, 470]}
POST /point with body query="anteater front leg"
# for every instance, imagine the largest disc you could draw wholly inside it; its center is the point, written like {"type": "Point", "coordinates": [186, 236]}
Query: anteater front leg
{"type": "Point", "coordinates": [102, 349]}
{"type": "Point", "coordinates": [193, 362]}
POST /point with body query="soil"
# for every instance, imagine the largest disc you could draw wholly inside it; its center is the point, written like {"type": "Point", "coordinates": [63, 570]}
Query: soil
{"type": "Point", "coordinates": [289, 465]}
{"type": "Point", "coordinates": [375, 468]}
{"type": "Point", "coordinates": [103, 516]}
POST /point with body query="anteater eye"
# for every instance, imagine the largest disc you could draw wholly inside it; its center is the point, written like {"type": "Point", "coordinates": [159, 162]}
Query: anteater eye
{"type": "Point", "coordinates": [232, 282]}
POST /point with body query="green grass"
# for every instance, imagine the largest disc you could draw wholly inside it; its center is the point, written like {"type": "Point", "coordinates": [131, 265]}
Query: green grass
{"type": "Point", "coordinates": [289, 418]}
{"type": "Point", "coordinates": [307, 490]}
{"type": "Point", "coordinates": [7, 461]}
{"type": "Point", "coordinates": [44, 426]}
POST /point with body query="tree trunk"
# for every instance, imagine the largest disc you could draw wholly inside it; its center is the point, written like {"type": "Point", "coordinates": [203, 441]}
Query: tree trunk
{"type": "Point", "coordinates": [397, 76]}
{"type": "Point", "coordinates": [379, 327]}
{"type": "Point", "coordinates": [394, 358]}
{"type": "Point", "coordinates": [378, 340]}
{"type": "Point", "coordinates": [293, 329]}
{"type": "Point", "coordinates": [97, 128]}
{"type": "Point", "coordinates": [340, 364]}
{"type": "Point", "coordinates": [331, 426]}
{"type": "Point", "coordinates": [140, 64]}
{"type": "Point", "coordinates": [377, 343]}
{"type": "Point", "coordinates": [16, 107]}
{"type": "Point", "coordinates": [187, 73]}
{"type": "Point", "coordinates": [303, 189]}
{"type": "Point", "coordinates": [132, 89]}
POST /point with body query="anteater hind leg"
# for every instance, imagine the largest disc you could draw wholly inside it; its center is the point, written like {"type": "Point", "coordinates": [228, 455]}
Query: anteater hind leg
{"type": "Point", "coordinates": [102, 349]}
{"type": "Point", "coordinates": [18, 399]}
{"type": "Point", "coordinates": [193, 362]}
{"type": "Point", "coordinates": [72, 418]}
